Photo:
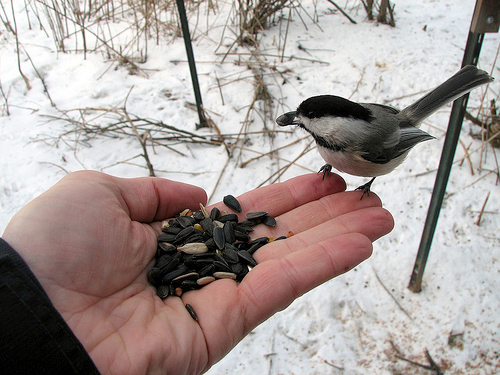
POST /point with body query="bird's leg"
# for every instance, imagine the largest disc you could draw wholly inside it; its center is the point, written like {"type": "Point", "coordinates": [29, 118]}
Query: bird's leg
{"type": "Point", "coordinates": [327, 168]}
{"type": "Point", "coordinates": [366, 187]}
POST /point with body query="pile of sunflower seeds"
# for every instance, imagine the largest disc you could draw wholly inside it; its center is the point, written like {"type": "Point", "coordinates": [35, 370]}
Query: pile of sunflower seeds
{"type": "Point", "coordinates": [197, 248]}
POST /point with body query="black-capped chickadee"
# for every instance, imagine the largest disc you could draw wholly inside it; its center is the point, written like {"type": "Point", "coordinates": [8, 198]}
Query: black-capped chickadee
{"type": "Point", "coordinates": [369, 139]}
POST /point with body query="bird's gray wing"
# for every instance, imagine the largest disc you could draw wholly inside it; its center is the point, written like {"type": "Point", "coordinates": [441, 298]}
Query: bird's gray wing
{"type": "Point", "coordinates": [394, 145]}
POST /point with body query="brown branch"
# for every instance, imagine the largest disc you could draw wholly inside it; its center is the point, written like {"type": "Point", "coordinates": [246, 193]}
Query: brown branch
{"type": "Point", "coordinates": [394, 298]}
{"type": "Point", "coordinates": [432, 367]}
{"type": "Point", "coordinates": [342, 11]}
{"type": "Point", "coordinates": [142, 140]}
{"type": "Point", "coordinates": [478, 221]}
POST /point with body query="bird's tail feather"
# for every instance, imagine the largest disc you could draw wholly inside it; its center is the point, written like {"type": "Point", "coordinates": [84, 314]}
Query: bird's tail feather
{"type": "Point", "coordinates": [464, 81]}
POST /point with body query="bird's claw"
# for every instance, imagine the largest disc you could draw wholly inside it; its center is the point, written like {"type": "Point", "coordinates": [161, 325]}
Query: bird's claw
{"type": "Point", "coordinates": [327, 168]}
{"type": "Point", "coordinates": [366, 188]}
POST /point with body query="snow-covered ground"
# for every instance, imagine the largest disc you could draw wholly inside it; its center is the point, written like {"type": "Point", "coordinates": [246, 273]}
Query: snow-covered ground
{"type": "Point", "coordinates": [359, 323]}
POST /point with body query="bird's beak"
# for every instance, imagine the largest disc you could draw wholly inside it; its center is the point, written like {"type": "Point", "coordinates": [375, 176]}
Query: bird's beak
{"type": "Point", "coordinates": [287, 119]}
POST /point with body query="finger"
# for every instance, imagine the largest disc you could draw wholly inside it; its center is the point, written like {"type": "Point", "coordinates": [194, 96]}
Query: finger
{"type": "Point", "coordinates": [149, 199]}
{"type": "Point", "coordinates": [282, 280]}
{"type": "Point", "coordinates": [282, 197]}
{"type": "Point", "coordinates": [316, 212]}
{"type": "Point", "coordinates": [372, 222]}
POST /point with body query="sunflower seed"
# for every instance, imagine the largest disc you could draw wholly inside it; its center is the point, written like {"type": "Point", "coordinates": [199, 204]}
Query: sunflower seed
{"type": "Point", "coordinates": [205, 280]}
{"type": "Point", "coordinates": [165, 224]}
{"type": "Point", "coordinates": [237, 268]}
{"type": "Point", "coordinates": [166, 237]}
{"type": "Point", "coordinates": [189, 275]}
{"type": "Point", "coordinates": [243, 228]}
{"type": "Point", "coordinates": [198, 215]}
{"type": "Point", "coordinates": [225, 275]}
{"type": "Point", "coordinates": [246, 256]}
{"type": "Point", "coordinates": [154, 276]}
{"type": "Point", "coordinates": [232, 203]}
{"type": "Point", "coordinates": [269, 221]}
{"type": "Point", "coordinates": [188, 285]}
{"type": "Point", "coordinates": [210, 244]}
{"type": "Point", "coordinates": [163, 291]}
{"type": "Point", "coordinates": [228, 217]}
{"type": "Point", "coordinates": [191, 312]}
{"type": "Point", "coordinates": [256, 215]}
{"type": "Point", "coordinates": [217, 223]}
{"type": "Point", "coordinates": [171, 230]}
{"type": "Point", "coordinates": [215, 213]}
{"type": "Point", "coordinates": [240, 236]}
{"type": "Point", "coordinates": [204, 210]}
{"type": "Point", "coordinates": [219, 238]}
{"type": "Point", "coordinates": [167, 279]}
{"type": "Point", "coordinates": [261, 240]}
{"type": "Point", "coordinates": [222, 266]}
{"type": "Point", "coordinates": [166, 247]}
{"type": "Point", "coordinates": [195, 237]}
{"type": "Point", "coordinates": [198, 247]}
{"type": "Point", "coordinates": [256, 246]}
{"type": "Point", "coordinates": [183, 234]}
{"type": "Point", "coordinates": [230, 255]}
{"type": "Point", "coordinates": [193, 248]}
{"type": "Point", "coordinates": [243, 273]}
{"type": "Point", "coordinates": [186, 221]}
{"type": "Point", "coordinates": [207, 270]}
{"type": "Point", "coordinates": [207, 225]}
{"type": "Point", "coordinates": [229, 234]}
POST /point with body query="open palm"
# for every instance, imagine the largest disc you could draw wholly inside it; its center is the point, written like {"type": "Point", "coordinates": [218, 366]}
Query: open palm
{"type": "Point", "coordinates": [90, 241]}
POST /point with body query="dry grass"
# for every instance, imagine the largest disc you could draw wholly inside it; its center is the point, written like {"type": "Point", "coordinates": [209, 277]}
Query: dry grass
{"type": "Point", "coordinates": [383, 9]}
{"type": "Point", "coordinates": [122, 30]}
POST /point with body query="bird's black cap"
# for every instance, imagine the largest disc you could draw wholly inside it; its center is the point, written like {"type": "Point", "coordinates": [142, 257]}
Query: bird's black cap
{"type": "Point", "coordinates": [331, 105]}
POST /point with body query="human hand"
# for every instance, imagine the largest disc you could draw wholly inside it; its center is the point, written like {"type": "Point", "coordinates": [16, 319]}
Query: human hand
{"type": "Point", "coordinates": [91, 238]}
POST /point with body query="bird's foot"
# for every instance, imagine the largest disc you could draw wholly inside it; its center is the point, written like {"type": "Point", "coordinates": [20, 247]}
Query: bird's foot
{"type": "Point", "coordinates": [327, 168]}
{"type": "Point", "coordinates": [366, 188]}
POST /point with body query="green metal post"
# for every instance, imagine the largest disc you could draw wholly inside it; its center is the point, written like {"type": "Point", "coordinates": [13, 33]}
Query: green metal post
{"type": "Point", "coordinates": [192, 64]}
{"type": "Point", "coordinates": [486, 19]}
{"type": "Point", "coordinates": [450, 144]}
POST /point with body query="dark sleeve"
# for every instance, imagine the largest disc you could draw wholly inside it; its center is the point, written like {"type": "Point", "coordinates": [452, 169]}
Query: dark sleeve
{"type": "Point", "coordinates": [34, 338]}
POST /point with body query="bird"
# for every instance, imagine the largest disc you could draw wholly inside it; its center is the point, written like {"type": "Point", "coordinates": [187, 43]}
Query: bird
{"type": "Point", "coordinates": [369, 139]}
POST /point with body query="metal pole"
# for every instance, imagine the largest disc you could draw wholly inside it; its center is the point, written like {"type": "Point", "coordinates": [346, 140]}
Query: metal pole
{"type": "Point", "coordinates": [471, 56]}
{"type": "Point", "coordinates": [486, 19]}
{"type": "Point", "coordinates": [192, 65]}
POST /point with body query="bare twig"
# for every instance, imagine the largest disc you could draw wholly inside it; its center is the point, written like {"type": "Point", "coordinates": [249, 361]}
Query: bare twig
{"type": "Point", "coordinates": [142, 141]}
{"type": "Point", "coordinates": [18, 47]}
{"type": "Point", "coordinates": [5, 99]}
{"type": "Point", "coordinates": [478, 221]}
{"type": "Point", "coordinates": [432, 365]}
{"type": "Point", "coordinates": [279, 57]}
{"type": "Point", "coordinates": [45, 88]}
{"type": "Point", "coordinates": [390, 294]}
{"type": "Point", "coordinates": [467, 156]}
{"type": "Point", "coordinates": [286, 34]}
{"type": "Point", "coordinates": [262, 154]}
{"type": "Point", "coordinates": [333, 365]}
{"type": "Point", "coordinates": [342, 11]}
{"type": "Point", "coordinates": [219, 179]}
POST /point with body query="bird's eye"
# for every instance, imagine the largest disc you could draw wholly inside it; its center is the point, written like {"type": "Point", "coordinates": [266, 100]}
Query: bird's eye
{"type": "Point", "coordinates": [310, 114]}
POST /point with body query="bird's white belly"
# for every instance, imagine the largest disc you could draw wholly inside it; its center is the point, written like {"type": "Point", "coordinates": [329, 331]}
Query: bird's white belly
{"type": "Point", "coordinates": [354, 164]}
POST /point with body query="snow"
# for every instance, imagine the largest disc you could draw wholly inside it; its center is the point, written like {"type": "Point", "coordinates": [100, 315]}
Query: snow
{"type": "Point", "coordinates": [360, 322]}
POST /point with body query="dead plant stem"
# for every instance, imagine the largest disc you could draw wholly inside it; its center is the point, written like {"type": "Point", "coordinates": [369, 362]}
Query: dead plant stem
{"type": "Point", "coordinates": [18, 48]}
{"type": "Point", "coordinates": [142, 140]}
